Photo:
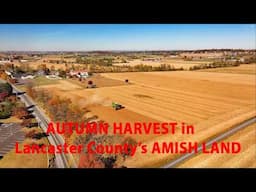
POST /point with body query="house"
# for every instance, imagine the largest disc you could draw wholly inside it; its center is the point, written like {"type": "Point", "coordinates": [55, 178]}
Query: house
{"type": "Point", "coordinates": [40, 73]}
{"type": "Point", "coordinates": [28, 77]}
{"type": "Point", "coordinates": [23, 60]}
{"type": "Point", "coordinates": [56, 73]}
{"type": "Point", "coordinates": [79, 73]}
{"type": "Point", "coordinates": [4, 61]}
{"type": "Point", "coordinates": [8, 73]}
{"type": "Point", "coordinates": [242, 59]}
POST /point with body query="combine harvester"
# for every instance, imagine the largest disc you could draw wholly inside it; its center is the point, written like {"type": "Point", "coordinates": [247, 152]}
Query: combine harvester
{"type": "Point", "coordinates": [117, 106]}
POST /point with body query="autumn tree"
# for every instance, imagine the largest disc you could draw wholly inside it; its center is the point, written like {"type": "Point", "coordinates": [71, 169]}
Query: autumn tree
{"type": "Point", "coordinates": [3, 95]}
{"type": "Point", "coordinates": [52, 68]}
{"type": "Point", "coordinates": [42, 96]}
{"type": "Point", "coordinates": [89, 161]}
{"type": "Point", "coordinates": [26, 122]}
{"type": "Point", "coordinates": [5, 110]}
{"type": "Point", "coordinates": [30, 134]}
{"type": "Point", "coordinates": [30, 90]}
{"type": "Point", "coordinates": [5, 87]}
{"type": "Point", "coordinates": [53, 107]}
{"type": "Point", "coordinates": [19, 112]}
{"type": "Point", "coordinates": [12, 99]}
{"type": "Point", "coordinates": [3, 75]}
{"type": "Point", "coordinates": [27, 67]}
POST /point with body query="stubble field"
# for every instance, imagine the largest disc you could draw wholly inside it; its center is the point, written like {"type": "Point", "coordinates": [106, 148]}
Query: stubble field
{"type": "Point", "coordinates": [249, 69]}
{"type": "Point", "coordinates": [247, 157]}
{"type": "Point", "coordinates": [212, 102]}
{"type": "Point", "coordinates": [176, 63]}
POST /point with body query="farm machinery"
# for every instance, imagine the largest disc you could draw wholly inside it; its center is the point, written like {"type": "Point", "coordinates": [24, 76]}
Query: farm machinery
{"type": "Point", "coordinates": [117, 106]}
{"type": "Point", "coordinates": [91, 84]}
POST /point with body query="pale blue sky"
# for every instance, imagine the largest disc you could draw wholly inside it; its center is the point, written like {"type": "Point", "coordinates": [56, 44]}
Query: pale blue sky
{"type": "Point", "coordinates": [87, 37]}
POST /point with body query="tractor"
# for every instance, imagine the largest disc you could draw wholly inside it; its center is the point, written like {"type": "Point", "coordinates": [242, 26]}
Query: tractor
{"type": "Point", "coordinates": [91, 85]}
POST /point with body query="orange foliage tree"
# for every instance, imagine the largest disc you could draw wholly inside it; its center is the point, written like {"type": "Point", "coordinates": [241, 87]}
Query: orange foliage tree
{"type": "Point", "coordinates": [20, 112]}
{"type": "Point", "coordinates": [30, 90]}
{"type": "Point", "coordinates": [3, 75]}
{"type": "Point", "coordinates": [89, 161]}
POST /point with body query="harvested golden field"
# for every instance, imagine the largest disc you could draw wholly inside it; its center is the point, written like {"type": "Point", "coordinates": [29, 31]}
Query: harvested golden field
{"type": "Point", "coordinates": [212, 102]}
{"type": "Point", "coordinates": [249, 69]}
{"type": "Point", "coordinates": [38, 63]}
{"type": "Point", "coordinates": [62, 85]}
{"type": "Point", "coordinates": [176, 63]}
{"type": "Point", "coordinates": [75, 84]}
{"type": "Point", "coordinates": [245, 159]}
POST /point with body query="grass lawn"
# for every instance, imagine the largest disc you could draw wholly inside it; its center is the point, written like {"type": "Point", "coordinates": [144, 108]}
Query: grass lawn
{"type": "Point", "coordinates": [44, 81]}
{"type": "Point", "coordinates": [38, 81]}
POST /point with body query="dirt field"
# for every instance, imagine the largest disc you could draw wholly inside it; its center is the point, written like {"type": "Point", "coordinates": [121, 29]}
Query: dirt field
{"type": "Point", "coordinates": [245, 159]}
{"type": "Point", "coordinates": [249, 69]}
{"type": "Point", "coordinates": [176, 63]}
{"type": "Point", "coordinates": [212, 102]}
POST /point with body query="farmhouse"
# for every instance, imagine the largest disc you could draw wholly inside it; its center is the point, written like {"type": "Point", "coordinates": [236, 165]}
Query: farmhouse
{"type": "Point", "coordinates": [79, 73]}
{"type": "Point", "coordinates": [27, 76]}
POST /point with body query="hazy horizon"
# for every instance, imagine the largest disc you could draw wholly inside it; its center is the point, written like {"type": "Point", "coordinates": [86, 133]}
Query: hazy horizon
{"type": "Point", "coordinates": [125, 37]}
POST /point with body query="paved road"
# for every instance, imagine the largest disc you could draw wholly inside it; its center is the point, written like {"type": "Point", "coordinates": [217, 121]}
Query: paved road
{"type": "Point", "coordinates": [54, 139]}
{"type": "Point", "coordinates": [10, 133]}
{"type": "Point", "coordinates": [216, 139]}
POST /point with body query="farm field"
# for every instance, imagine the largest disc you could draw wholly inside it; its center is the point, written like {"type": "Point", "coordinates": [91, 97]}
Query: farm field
{"type": "Point", "coordinates": [128, 95]}
{"type": "Point", "coordinates": [212, 102]}
{"type": "Point", "coordinates": [37, 63]}
{"type": "Point", "coordinates": [99, 80]}
{"type": "Point", "coordinates": [249, 69]}
{"type": "Point", "coordinates": [247, 158]}
{"type": "Point", "coordinates": [176, 63]}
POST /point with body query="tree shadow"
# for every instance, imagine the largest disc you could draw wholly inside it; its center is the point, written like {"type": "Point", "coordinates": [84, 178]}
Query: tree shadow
{"type": "Point", "coordinates": [21, 93]}
{"type": "Point", "coordinates": [31, 106]}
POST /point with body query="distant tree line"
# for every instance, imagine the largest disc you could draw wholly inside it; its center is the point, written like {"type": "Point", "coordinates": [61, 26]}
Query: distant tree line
{"type": "Point", "coordinates": [214, 65]}
{"type": "Point", "coordinates": [96, 61]}
{"type": "Point", "coordinates": [136, 68]}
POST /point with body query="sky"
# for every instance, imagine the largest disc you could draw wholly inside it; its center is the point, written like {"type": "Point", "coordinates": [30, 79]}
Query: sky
{"type": "Point", "coordinates": [89, 37]}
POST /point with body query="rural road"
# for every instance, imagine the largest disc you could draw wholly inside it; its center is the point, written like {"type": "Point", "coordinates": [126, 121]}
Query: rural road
{"type": "Point", "coordinates": [216, 139]}
{"type": "Point", "coordinates": [61, 160]}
